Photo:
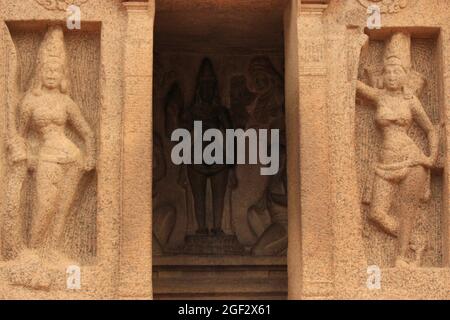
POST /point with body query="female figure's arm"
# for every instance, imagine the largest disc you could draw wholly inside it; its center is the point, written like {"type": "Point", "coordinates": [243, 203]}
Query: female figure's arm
{"type": "Point", "coordinates": [17, 145]}
{"type": "Point", "coordinates": [422, 119]}
{"type": "Point", "coordinates": [367, 91]}
{"type": "Point", "coordinates": [83, 128]}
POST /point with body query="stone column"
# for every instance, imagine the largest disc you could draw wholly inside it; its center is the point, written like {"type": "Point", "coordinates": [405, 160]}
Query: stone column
{"type": "Point", "coordinates": [293, 141]}
{"type": "Point", "coordinates": [136, 230]}
{"type": "Point", "coordinates": [310, 257]}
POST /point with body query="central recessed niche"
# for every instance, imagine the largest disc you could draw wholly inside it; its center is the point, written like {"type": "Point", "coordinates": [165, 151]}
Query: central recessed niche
{"type": "Point", "coordinates": [218, 228]}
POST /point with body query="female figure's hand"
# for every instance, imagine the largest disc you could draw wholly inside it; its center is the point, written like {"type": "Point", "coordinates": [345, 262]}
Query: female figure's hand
{"type": "Point", "coordinates": [17, 148]}
{"type": "Point", "coordinates": [89, 163]}
{"type": "Point", "coordinates": [427, 162]}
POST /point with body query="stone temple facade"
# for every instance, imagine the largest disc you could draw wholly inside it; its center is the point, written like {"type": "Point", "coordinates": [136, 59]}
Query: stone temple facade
{"type": "Point", "coordinates": [92, 205]}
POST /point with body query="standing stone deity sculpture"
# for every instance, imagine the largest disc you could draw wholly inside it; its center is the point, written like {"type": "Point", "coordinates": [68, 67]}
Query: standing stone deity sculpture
{"type": "Point", "coordinates": [38, 144]}
{"type": "Point", "coordinates": [403, 170]}
{"type": "Point", "coordinates": [207, 108]}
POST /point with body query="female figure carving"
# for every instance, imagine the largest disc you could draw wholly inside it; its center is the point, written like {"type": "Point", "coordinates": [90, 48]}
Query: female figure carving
{"type": "Point", "coordinates": [57, 163]}
{"type": "Point", "coordinates": [403, 168]}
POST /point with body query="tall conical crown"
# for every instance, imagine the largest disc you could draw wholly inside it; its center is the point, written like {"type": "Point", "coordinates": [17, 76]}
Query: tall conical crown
{"type": "Point", "coordinates": [52, 48]}
{"type": "Point", "coordinates": [206, 71]}
{"type": "Point", "coordinates": [398, 50]}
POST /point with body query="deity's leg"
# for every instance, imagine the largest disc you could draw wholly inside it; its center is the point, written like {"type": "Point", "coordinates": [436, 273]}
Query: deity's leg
{"type": "Point", "coordinates": [410, 195]}
{"type": "Point", "coordinates": [67, 190]}
{"type": "Point", "coordinates": [48, 177]}
{"type": "Point", "coordinates": [198, 186]}
{"type": "Point", "coordinates": [219, 188]}
{"type": "Point", "coordinates": [383, 194]}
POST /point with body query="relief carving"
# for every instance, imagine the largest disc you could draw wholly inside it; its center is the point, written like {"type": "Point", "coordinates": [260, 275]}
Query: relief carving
{"type": "Point", "coordinates": [55, 162]}
{"type": "Point", "coordinates": [208, 212]}
{"type": "Point", "coordinates": [60, 4]}
{"type": "Point", "coordinates": [267, 218]}
{"type": "Point", "coordinates": [194, 178]}
{"type": "Point", "coordinates": [386, 6]}
{"type": "Point", "coordinates": [164, 215]}
{"type": "Point", "coordinates": [207, 108]}
{"type": "Point", "coordinates": [401, 177]}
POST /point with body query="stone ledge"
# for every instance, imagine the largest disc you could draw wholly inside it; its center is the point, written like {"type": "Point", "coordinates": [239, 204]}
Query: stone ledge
{"type": "Point", "coordinates": [235, 260]}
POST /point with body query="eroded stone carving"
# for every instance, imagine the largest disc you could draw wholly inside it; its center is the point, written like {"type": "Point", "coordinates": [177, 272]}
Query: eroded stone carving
{"type": "Point", "coordinates": [56, 163]}
{"type": "Point", "coordinates": [253, 93]}
{"type": "Point", "coordinates": [267, 109]}
{"type": "Point", "coordinates": [402, 174]}
{"type": "Point", "coordinates": [207, 108]}
{"type": "Point", "coordinates": [386, 6]}
{"type": "Point", "coordinates": [164, 215]}
{"type": "Point", "coordinates": [60, 4]}
{"type": "Point", "coordinates": [268, 217]}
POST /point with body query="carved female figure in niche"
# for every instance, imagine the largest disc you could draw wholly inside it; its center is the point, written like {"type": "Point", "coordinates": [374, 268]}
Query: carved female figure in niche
{"type": "Point", "coordinates": [207, 108]}
{"type": "Point", "coordinates": [57, 164]}
{"type": "Point", "coordinates": [403, 169]}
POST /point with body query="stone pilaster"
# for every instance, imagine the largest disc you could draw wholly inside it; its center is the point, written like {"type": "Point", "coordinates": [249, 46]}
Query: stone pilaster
{"type": "Point", "coordinates": [136, 232]}
{"type": "Point", "coordinates": [310, 256]}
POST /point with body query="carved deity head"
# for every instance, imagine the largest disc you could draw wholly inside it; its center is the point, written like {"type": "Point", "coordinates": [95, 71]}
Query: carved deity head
{"type": "Point", "coordinates": [262, 75]}
{"type": "Point", "coordinates": [51, 69]}
{"type": "Point", "coordinates": [394, 74]}
{"type": "Point", "coordinates": [397, 62]}
{"type": "Point", "coordinates": [207, 82]}
{"type": "Point", "coordinates": [206, 98]}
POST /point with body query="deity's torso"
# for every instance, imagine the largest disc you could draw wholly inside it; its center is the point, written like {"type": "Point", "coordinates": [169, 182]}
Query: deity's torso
{"type": "Point", "coordinates": [394, 117]}
{"type": "Point", "coordinates": [212, 117]}
{"type": "Point", "coordinates": [49, 116]}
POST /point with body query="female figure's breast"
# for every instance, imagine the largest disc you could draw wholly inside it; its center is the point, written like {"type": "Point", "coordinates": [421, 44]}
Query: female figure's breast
{"type": "Point", "coordinates": [394, 118]}
{"type": "Point", "coordinates": [50, 120]}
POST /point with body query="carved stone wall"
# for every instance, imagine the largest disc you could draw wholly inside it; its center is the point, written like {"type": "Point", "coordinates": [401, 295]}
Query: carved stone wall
{"type": "Point", "coordinates": [88, 188]}
{"type": "Point", "coordinates": [61, 132]}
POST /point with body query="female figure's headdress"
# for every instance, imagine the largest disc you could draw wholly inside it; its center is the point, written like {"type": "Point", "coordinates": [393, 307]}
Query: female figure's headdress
{"type": "Point", "coordinates": [52, 50]}
{"type": "Point", "coordinates": [398, 52]}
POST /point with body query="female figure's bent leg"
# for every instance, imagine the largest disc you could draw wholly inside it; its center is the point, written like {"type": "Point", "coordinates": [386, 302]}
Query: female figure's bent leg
{"type": "Point", "coordinates": [383, 194]}
{"type": "Point", "coordinates": [410, 195]}
{"type": "Point", "coordinates": [48, 177]}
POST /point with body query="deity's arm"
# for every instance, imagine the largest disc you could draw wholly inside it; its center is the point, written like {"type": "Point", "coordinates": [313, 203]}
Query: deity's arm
{"type": "Point", "coordinates": [366, 91]}
{"type": "Point", "coordinates": [17, 131]}
{"type": "Point", "coordinates": [422, 119]}
{"type": "Point", "coordinates": [24, 118]}
{"type": "Point", "coordinates": [80, 124]}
